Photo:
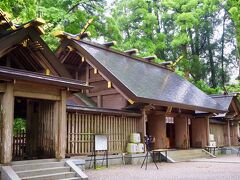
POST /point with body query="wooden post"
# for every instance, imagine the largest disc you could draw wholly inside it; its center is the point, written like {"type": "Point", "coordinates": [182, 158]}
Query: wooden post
{"type": "Point", "coordinates": [228, 130]}
{"type": "Point", "coordinates": [142, 123]}
{"type": "Point", "coordinates": [208, 130]}
{"type": "Point", "coordinates": [238, 129]}
{"type": "Point", "coordinates": [55, 128]}
{"type": "Point", "coordinates": [7, 124]}
{"type": "Point", "coordinates": [62, 125]}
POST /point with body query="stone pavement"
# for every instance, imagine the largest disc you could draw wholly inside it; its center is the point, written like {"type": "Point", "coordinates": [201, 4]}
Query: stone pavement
{"type": "Point", "coordinates": [221, 168]}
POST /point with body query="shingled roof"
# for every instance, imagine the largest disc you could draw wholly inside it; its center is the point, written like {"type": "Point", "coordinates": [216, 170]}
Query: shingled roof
{"type": "Point", "coordinates": [145, 82]}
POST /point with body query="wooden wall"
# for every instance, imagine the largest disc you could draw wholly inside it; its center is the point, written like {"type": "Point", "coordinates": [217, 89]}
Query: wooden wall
{"type": "Point", "coordinates": [81, 126]}
{"type": "Point", "coordinates": [234, 134]}
{"type": "Point", "coordinates": [40, 128]}
{"type": "Point", "coordinates": [220, 133]}
{"type": "Point", "coordinates": [100, 93]}
{"type": "Point", "coordinates": [200, 132]}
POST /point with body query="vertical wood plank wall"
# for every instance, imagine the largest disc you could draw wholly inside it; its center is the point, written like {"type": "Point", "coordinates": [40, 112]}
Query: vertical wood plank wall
{"type": "Point", "coordinates": [40, 128]}
{"type": "Point", "coordinates": [46, 127]}
{"type": "Point", "coordinates": [81, 126]}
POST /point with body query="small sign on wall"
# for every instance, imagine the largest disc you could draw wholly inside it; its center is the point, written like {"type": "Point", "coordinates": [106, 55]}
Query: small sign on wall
{"type": "Point", "coordinates": [101, 142]}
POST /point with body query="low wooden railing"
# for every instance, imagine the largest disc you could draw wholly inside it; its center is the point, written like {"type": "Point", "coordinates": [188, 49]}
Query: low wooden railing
{"type": "Point", "coordinates": [19, 144]}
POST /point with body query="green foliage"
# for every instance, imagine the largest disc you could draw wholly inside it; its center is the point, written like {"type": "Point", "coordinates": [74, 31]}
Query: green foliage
{"type": "Point", "coordinates": [19, 124]}
{"type": "Point", "coordinates": [233, 87]}
{"type": "Point", "coordinates": [205, 88]}
{"type": "Point", "coordinates": [66, 15]}
{"type": "Point", "coordinates": [168, 29]}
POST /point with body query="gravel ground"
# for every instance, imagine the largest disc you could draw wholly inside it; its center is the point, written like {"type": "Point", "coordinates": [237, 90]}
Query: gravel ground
{"type": "Point", "coordinates": [221, 168]}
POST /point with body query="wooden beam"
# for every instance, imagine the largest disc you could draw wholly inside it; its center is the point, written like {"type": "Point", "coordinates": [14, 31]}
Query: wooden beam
{"type": "Point", "coordinates": [62, 47]}
{"type": "Point", "coordinates": [131, 52]}
{"type": "Point", "coordinates": [47, 53]}
{"type": "Point", "coordinates": [150, 58]}
{"type": "Point", "coordinates": [7, 51]}
{"type": "Point", "coordinates": [109, 44]}
{"type": "Point", "coordinates": [105, 92]}
{"type": "Point", "coordinates": [7, 124]}
{"type": "Point", "coordinates": [11, 40]}
{"type": "Point", "coordinates": [36, 95]}
{"type": "Point", "coordinates": [99, 101]}
{"type": "Point", "coordinates": [169, 110]}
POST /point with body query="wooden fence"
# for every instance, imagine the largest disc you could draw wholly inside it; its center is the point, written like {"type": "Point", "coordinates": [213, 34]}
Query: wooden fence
{"type": "Point", "coordinates": [81, 127]}
{"type": "Point", "coordinates": [19, 144]}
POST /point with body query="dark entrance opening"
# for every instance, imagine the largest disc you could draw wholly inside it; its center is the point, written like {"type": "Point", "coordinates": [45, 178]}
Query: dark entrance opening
{"type": "Point", "coordinates": [33, 129]}
{"type": "Point", "coordinates": [170, 133]}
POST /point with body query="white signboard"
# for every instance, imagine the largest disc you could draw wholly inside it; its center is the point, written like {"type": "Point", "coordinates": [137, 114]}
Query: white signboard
{"type": "Point", "coordinates": [101, 142]}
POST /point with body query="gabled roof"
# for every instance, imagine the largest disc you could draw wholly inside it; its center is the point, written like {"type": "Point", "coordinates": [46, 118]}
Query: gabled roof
{"type": "Point", "coordinates": [145, 82]}
{"type": "Point", "coordinates": [231, 103]}
{"type": "Point", "coordinates": [12, 38]}
{"type": "Point", "coordinates": [223, 100]}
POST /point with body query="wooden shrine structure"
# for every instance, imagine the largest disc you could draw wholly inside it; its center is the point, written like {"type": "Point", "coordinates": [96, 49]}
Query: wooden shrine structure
{"type": "Point", "coordinates": [122, 81]}
{"type": "Point", "coordinates": [225, 126]}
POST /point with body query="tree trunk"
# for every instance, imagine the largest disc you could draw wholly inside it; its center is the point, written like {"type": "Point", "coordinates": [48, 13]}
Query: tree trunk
{"type": "Point", "coordinates": [211, 61]}
{"type": "Point", "coordinates": [222, 50]}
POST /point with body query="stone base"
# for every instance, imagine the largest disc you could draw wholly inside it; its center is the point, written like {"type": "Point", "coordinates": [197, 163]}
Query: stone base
{"type": "Point", "coordinates": [85, 162]}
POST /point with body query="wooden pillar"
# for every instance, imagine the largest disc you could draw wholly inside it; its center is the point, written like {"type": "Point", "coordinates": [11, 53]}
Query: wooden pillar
{"type": "Point", "coordinates": [55, 128]}
{"type": "Point", "coordinates": [238, 129]}
{"type": "Point", "coordinates": [229, 133]}
{"type": "Point", "coordinates": [62, 126]}
{"type": "Point", "coordinates": [142, 123]}
{"type": "Point", "coordinates": [7, 124]}
{"type": "Point", "coordinates": [208, 130]}
{"type": "Point", "coordinates": [181, 132]}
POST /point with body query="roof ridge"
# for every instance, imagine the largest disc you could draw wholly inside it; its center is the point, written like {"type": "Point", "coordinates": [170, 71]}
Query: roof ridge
{"type": "Point", "coordinates": [98, 45]}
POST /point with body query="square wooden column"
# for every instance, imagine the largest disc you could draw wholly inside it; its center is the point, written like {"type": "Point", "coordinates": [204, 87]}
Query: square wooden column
{"type": "Point", "coordinates": [7, 124]}
{"type": "Point", "coordinates": [60, 126]}
{"type": "Point", "coordinates": [229, 133]}
{"type": "Point", "coordinates": [142, 124]}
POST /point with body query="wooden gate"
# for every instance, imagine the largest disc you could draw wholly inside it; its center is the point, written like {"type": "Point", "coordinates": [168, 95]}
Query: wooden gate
{"type": "Point", "coordinates": [80, 128]}
{"type": "Point", "coordinates": [19, 144]}
{"type": "Point", "coordinates": [37, 141]}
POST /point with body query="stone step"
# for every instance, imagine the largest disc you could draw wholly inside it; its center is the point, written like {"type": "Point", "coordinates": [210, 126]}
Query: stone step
{"type": "Point", "coordinates": [37, 161]}
{"type": "Point", "coordinates": [44, 171]}
{"type": "Point", "coordinates": [180, 159]}
{"type": "Point", "coordinates": [26, 167]}
{"type": "Point", "coordinates": [186, 155]}
{"type": "Point", "coordinates": [74, 178]}
{"type": "Point", "coordinates": [65, 175]}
